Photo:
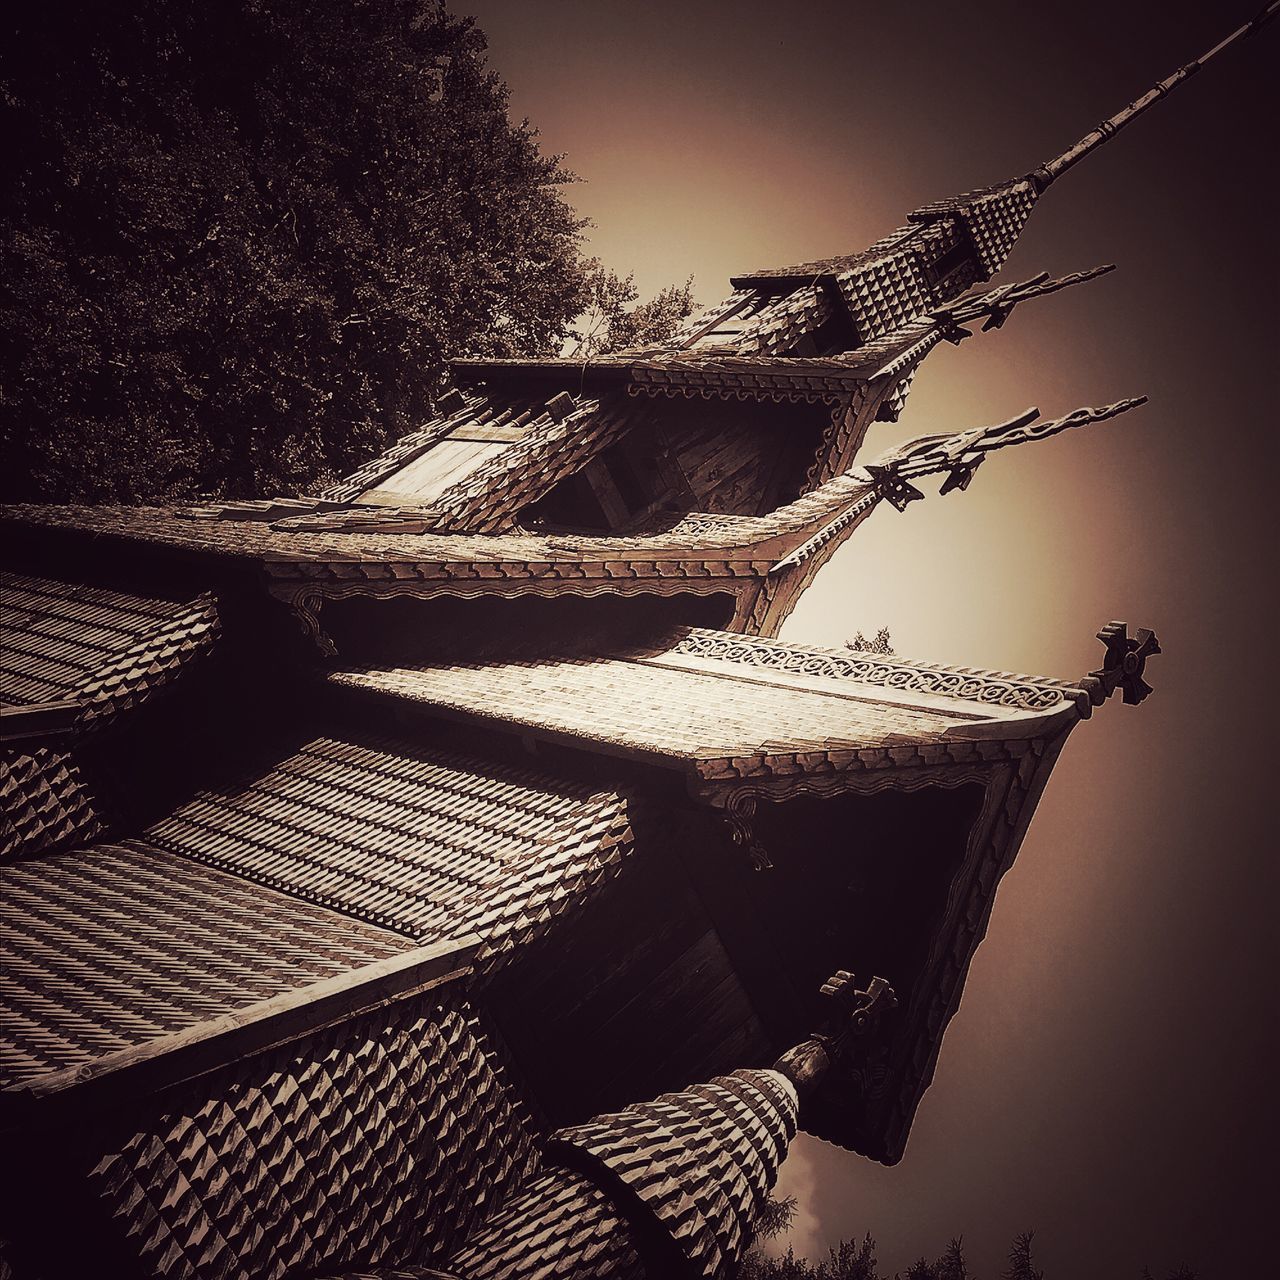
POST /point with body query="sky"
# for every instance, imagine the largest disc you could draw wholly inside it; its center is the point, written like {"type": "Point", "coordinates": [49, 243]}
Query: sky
{"type": "Point", "coordinates": [1108, 1080]}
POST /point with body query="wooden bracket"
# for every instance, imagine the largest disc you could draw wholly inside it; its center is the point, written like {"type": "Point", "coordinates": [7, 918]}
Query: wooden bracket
{"type": "Point", "coordinates": [739, 814]}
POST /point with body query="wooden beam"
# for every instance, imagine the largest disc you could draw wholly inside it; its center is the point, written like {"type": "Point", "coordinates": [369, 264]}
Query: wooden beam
{"type": "Point", "coordinates": [611, 501]}
{"type": "Point", "coordinates": [38, 719]}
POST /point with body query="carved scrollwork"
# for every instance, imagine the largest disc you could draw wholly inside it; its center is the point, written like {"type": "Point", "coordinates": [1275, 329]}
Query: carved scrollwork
{"type": "Point", "coordinates": [739, 812]}
{"type": "Point", "coordinates": [756, 390]}
{"type": "Point", "coordinates": [837, 439]}
{"type": "Point", "coordinates": [305, 604]}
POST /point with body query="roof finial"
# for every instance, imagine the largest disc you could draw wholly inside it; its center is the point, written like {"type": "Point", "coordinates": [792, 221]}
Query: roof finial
{"type": "Point", "coordinates": [1047, 173]}
{"type": "Point", "coordinates": [1124, 665]}
{"type": "Point", "coordinates": [853, 1013]}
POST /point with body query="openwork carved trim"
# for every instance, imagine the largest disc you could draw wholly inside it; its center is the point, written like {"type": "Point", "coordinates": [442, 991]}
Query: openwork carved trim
{"type": "Point", "coordinates": [994, 688]}
{"type": "Point", "coordinates": [754, 390]}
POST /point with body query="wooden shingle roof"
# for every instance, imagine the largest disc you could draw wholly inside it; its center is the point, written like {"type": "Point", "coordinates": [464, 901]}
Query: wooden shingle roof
{"type": "Point", "coordinates": [563, 1219]}
{"type": "Point", "coordinates": [92, 650]}
{"type": "Point", "coordinates": [721, 706]}
{"type": "Point", "coordinates": [59, 634]}
{"type": "Point", "coordinates": [428, 843]}
{"type": "Point", "coordinates": [44, 800]}
{"type": "Point", "coordinates": [701, 1161]}
{"type": "Point", "coordinates": [388, 1135]}
{"type": "Point", "coordinates": [114, 946]}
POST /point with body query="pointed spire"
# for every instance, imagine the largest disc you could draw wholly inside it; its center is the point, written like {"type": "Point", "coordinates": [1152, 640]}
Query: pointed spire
{"type": "Point", "coordinates": [1053, 169]}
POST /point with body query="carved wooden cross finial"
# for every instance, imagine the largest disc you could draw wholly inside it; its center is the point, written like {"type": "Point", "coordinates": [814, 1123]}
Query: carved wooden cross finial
{"type": "Point", "coordinates": [1122, 668]}
{"type": "Point", "coordinates": [891, 486]}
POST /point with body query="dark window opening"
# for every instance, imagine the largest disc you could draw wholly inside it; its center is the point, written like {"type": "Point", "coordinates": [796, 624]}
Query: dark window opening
{"type": "Point", "coordinates": [569, 505]}
{"type": "Point", "coordinates": [954, 258]}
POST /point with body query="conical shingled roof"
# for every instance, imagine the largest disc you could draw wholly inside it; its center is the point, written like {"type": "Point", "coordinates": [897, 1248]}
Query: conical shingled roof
{"type": "Point", "coordinates": [561, 1225]}
{"type": "Point", "coordinates": [700, 1161]}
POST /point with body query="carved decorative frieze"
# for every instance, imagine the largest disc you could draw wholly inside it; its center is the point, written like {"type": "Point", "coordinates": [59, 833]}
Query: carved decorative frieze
{"type": "Point", "coordinates": [840, 441]}
{"type": "Point", "coordinates": [753, 389]}
{"type": "Point", "coordinates": [995, 688]}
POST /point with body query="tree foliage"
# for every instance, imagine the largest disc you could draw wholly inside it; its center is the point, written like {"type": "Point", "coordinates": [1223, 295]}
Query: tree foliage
{"type": "Point", "coordinates": [1020, 1263]}
{"type": "Point", "coordinates": [856, 1260]}
{"type": "Point", "coordinates": [241, 239]}
{"type": "Point", "coordinates": [881, 643]}
{"type": "Point", "coordinates": [849, 1260]}
{"type": "Point", "coordinates": [611, 322]}
{"type": "Point", "coordinates": [774, 1218]}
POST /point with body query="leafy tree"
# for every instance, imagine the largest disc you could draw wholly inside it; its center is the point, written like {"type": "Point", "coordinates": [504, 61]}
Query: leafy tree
{"type": "Point", "coordinates": [775, 1218]}
{"type": "Point", "coordinates": [856, 1260]}
{"type": "Point", "coordinates": [240, 240]}
{"type": "Point", "coordinates": [849, 1260]}
{"type": "Point", "coordinates": [1020, 1263]}
{"type": "Point", "coordinates": [882, 642]}
{"type": "Point", "coordinates": [756, 1266]}
{"type": "Point", "coordinates": [951, 1266]}
{"type": "Point", "coordinates": [609, 322]}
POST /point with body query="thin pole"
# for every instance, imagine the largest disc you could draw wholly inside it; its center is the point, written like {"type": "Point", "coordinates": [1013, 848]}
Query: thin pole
{"type": "Point", "coordinates": [1056, 167]}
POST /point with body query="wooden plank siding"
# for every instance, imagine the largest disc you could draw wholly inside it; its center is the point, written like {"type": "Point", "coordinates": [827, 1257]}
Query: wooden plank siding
{"type": "Point", "coordinates": [692, 964]}
{"type": "Point", "coordinates": [635, 999]}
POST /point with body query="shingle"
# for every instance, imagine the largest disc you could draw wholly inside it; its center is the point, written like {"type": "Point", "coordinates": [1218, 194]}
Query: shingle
{"type": "Point", "coordinates": [108, 649]}
{"type": "Point", "coordinates": [561, 1226]}
{"type": "Point", "coordinates": [44, 801]}
{"type": "Point", "coordinates": [429, 843]}
{"type": "Point", "coordinates": [58, 634]}
{"type": "Point", "coordinates": [675, 713]}
{"type": "Point", "coordinates": [380, 1139]}
{"type": "Point", "coordinates": [701, 1161]}
{"type": "Point", "coordinates": [110, 947]}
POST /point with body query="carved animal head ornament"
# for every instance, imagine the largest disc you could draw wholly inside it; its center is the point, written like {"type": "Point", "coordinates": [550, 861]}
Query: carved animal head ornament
{"type": "Point", "coordinates": [855, 1011]}
{"type": "Point", "coordinates": [855, 1014]}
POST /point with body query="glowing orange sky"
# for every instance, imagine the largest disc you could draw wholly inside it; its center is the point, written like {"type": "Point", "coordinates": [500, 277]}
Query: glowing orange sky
{"type": "Point", "coordinates": [1107, 1079]}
